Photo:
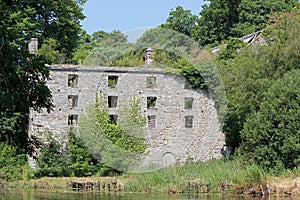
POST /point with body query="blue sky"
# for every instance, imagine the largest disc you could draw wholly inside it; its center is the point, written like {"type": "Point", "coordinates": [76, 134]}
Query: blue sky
{"type": "Point", "coordinates": [109, 15]}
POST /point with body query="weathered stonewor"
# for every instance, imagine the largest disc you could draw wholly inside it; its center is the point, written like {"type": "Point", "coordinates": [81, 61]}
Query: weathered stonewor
{"type": "Point", "coordinates": [182, 123]}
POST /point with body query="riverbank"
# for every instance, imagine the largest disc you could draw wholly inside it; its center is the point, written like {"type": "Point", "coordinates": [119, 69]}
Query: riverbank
{"type": "Point", "coordinates": [216, 176]}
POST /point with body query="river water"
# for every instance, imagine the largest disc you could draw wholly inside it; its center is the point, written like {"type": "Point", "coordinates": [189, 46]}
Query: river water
{"type": "Point", "coordinates": [42, 195]}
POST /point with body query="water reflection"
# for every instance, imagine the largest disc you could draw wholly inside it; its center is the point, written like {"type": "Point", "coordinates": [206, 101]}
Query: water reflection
{"type": "Point", "coordinates": [40, 195]}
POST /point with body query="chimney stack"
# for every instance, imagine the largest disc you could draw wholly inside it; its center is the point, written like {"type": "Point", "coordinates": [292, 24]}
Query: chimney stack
{"type": "Point", "coordinates": [33, 45]}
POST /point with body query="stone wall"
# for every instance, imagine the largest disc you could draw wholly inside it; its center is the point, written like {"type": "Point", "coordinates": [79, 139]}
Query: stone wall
{"type": "Point", "coordinates": [181, 123]}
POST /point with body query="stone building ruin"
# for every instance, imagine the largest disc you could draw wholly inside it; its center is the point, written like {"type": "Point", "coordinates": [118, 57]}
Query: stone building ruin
{"type": "Point", "coordinates": [182, 123]}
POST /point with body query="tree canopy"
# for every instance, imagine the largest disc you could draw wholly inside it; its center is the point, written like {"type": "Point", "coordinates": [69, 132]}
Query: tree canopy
{"type": "Point", "coordinates": [250, 73]}
{"type": "Point", "coordinates": [23, 75]}
{"type": "Point", "coordinates": [222, 19]}
{"type": "Point", "coordinates": [181, 20]}
{"type": "Point", "coordinates": [271, 136]}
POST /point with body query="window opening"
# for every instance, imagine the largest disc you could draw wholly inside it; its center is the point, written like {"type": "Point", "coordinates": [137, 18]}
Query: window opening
{"type": "Point", "coordinates": [152, 121]}
{"type": "Point", "coordinates": [188, 121]}
{"type": "Point", "coordinates": [188, 103]}
{"type": "Point", "coordinates": [151, 102]}
{"type": "Point", "coordinates": [73, 120]}
{"type": "Point", "coordinates": [112, 81]}
{"type": "Point", "coordinates": [72, 101]}
{"type": "Point", "coordinates": [112, 101]}
{"type": "Point", "coordinates": [151, 82]}
{"type": "Point", "coordinates": [72, 80]}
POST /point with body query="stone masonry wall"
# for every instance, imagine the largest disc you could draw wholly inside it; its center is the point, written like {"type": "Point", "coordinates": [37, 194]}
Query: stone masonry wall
{"type": "Point", "coordinates": [183, 123]}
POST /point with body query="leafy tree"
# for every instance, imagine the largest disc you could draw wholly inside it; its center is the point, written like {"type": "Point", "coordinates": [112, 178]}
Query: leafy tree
{"type": "Point", "coordinates": [216, 21]}
{"type": "Point", "coordinates": [233, 45]}
{"type": "Point", "coordinates": [52, 160]}
{"type": "Point", "coordinates": [85, 45]}
{"type": "Point", "coordinates": [271, 136]}
{"type": "Point", "coordinates": [254, 69]}
{"type": "Point", "coordinates": [222, 19]}
{"type": "Point", "coordinates": [181, 20]}
{"type": "Point", "coordinates": [23, 76]}
{"type": "Point", "coordinates": [117, 145]}
{"type": "Point", "coordinates": [72, 160]}
{"type": "Point", "coordinates": [107, 48]}
{"type": "Point", "coordinates": [81, 161]}
{"type": "Point", "coordinates": [48, 50]}
{"type": "Point", "coordinates": [12, 163]}
{"type": "Point", "coordinates": [255, 15]}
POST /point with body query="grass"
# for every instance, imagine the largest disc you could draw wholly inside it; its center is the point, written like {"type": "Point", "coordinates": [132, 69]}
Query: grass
{"type": "Point", "coordinates": [238, 176]}
{"type": "Point", "coordinates": [210, 173]}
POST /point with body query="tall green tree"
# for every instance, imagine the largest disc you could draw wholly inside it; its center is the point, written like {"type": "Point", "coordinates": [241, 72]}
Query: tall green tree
{"type": "Point", "coordinates": [221, 19]}
{"type": "Point", "coordinates": [181, 20]}
{"type": "Point", "coordinates": [253, 70]}
{"type": "Point", "coordinates": [23, 75]}
{"type": "Point", "coordinates": [107, 47]}
{"type": "Point", "coordinates": [255, 15]}
{"type": "Point", "coordinates": [271, 136]}
{"type": "Point", "coordinates": [216, 21]}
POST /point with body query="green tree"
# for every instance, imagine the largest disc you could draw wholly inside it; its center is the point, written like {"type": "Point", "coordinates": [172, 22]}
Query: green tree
{"type": "Point", "coordinates": [52, 159]}
{"type": "Point", "coordinates": [255, 15]}
{"type": "Point", "coordinates": [117, 146]}
{"type": "Point", "coordinates": [70, 159]}
{"type": "Point", "coordinates": [222, 19]}
{"type": "Point", "coordinates": [254, 69]}
{"type": "Point", "coordinates": [12, 163]}
{"type": "Point", "coordinates": [271, 136]}
{"type": "Point", "coordinates": [107, 48]}
{"type": "Point", "coordinates": [81, 161]}
{"type": "Point", "coordinates": [23, 76]}
{"type": "Point", "coordinates": [181, 20]}
{"type": "Point", "coordinates": [85, 45]}
{"type": "Point", "coordinates": [216, 21]}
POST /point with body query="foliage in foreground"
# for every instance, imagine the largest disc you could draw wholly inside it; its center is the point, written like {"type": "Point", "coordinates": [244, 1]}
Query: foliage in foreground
{"type": "Point", "coordinates": [12, 164]}
{"type": "Point", "coordinates": [74, 160]}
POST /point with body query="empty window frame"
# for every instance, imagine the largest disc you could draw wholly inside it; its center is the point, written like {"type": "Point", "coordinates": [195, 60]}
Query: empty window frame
{"type": "Point", "coordinates": [151, 102]}
{"type": "Point", "coordinates": [73, 120]}
{"type": "Point", "coordinates": [112, 101]}
{"type": "Point", "coordinates": [151, 82]}
{"type": "Point", "coordinates": [113, 118]}
{"type": "Point", "coordinates": [151, 121]}
{"type": "Point", "coordinates": [188, 121]}
{"type": "Point", "coordinates": [72, 80]}
{"type": "Point", "coordinates": [72, 101]}
{"type": "Point", "coordinates": [188, 103]}
{"type": "Point", "coordinates": [112, 81]}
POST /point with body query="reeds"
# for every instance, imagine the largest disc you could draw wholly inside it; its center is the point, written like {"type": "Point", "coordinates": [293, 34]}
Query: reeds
{"type": "Point", "coordinates": [200, 176]}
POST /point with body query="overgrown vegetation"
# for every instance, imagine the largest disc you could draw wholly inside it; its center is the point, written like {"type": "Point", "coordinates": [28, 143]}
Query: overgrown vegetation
{"type": "Point", "coordinates": [72, 160]}
{"type": "Point", "coordinates": [256, 111]}
{"type": "Point", "coordinates": [118, 145]}
{"type": "Point", "coordinates": [261, 83]}
{"type": "Point", "coordinates": [103, 147]}
{"type": "Point", "coordinates": [12, 164]}
{"type": "Point", "coordinates": [236, 172]}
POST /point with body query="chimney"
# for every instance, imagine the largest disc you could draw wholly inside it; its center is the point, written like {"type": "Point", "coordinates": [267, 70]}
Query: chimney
{"type": "Point", "coordinates": [33, 45]}
{"type": "Point", "coordinates": [149, 55]}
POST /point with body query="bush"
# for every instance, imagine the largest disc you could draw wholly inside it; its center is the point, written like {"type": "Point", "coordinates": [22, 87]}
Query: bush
{"type": "Point", "coordinates": [12, 163]}
{"type": "Point", "coordinates": [271, 136]}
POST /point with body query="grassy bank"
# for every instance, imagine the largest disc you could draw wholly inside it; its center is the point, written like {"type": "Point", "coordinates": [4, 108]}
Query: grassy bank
{"type": "Point", "coordinates": [209, 177]}
{"type": "Point", "coordinates": [209, 174]}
